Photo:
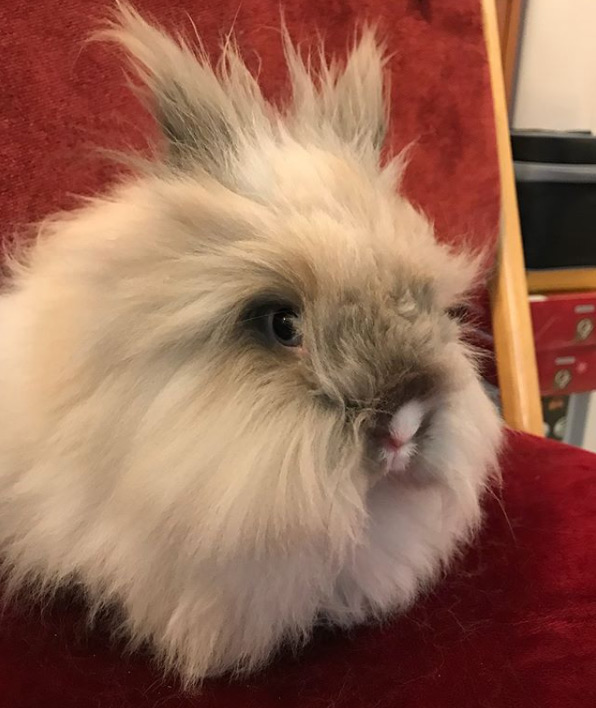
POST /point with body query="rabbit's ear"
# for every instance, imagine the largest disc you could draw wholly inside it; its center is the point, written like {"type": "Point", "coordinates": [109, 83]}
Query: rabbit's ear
{"type": "Point", "coordinates": [349, 99]}
{"type": "Point", "coordinates": [202, 110]}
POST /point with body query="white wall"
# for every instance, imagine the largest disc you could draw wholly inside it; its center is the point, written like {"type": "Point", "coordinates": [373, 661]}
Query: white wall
{"type": "Point", "coordinates": [556, 85]}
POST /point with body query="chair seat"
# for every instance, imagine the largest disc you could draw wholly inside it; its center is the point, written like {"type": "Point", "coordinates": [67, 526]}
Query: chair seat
{"type": "Point", "coordinates": [513, 624]}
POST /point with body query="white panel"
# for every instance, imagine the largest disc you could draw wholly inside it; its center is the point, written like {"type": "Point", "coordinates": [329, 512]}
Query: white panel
{"type": "Point", "coordinates": [556, 85]}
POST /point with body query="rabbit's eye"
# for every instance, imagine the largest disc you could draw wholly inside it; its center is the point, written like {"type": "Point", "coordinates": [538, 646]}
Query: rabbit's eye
{"type": "Point", "coordinates": [282, 325]}
{"type": "Point", "coordinates": [276, 322]}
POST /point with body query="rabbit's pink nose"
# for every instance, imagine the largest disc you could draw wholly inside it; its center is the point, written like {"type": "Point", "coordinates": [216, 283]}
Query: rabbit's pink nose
{"type": "Point", "coordinates": [393, 442]}
{"type": "Point", "coordinates": [405, 424]}
{"type": "Point", "coordinates": [394, 432]}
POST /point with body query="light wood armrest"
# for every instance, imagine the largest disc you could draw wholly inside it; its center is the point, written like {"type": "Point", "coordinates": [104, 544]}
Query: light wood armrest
{"type": "Point", "coordinates": [512, 325]}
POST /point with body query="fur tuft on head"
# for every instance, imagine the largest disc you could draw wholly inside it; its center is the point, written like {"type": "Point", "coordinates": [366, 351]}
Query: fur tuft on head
{"type": "Point", "coordinates": [209, 113]}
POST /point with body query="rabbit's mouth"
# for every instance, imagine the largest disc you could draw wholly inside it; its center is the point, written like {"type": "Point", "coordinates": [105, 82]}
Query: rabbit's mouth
{"type": "Point", "coordinates": [396, 458]}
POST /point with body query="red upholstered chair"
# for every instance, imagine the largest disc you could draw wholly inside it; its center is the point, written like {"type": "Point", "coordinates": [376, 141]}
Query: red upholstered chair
{"type": "Point", "coordinates": [514, 622]}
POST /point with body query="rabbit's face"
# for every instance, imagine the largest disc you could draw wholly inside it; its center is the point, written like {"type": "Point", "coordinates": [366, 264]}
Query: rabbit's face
{"type": "Point", "coordinates": [351, 317]}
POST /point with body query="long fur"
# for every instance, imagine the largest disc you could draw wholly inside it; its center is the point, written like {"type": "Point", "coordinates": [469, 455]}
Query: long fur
{"type": "Point", "coordinates": [218, 489]}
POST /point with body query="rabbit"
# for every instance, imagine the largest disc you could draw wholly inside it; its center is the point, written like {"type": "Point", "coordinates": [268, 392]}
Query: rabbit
{"type": "Point", "coordinates": [234, 401]}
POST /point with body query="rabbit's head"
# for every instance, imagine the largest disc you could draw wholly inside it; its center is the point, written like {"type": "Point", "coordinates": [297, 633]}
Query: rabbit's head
{"type": "Point", "coordinates": [258, 331]}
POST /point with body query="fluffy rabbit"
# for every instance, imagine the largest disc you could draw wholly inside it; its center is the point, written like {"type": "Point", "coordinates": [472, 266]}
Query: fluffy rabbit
{"type": "Point", "coordinates": [232, 399]}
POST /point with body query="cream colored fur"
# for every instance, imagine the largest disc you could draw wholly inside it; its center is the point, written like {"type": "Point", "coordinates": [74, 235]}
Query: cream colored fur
{"type": "Point", "coordinates": [220, 490]}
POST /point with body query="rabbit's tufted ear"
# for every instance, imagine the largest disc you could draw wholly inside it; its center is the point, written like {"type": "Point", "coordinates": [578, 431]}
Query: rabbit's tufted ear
{"type": "Point", "coordinates": [202, 110]}
{"type": "Point", "coordinates": [207, 113]}
{"type": "Point", "coordinates": [349, 99]}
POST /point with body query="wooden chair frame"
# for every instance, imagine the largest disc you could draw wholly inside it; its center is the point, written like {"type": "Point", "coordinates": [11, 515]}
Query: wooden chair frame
{"type": "Point", "coordinates": [512, 324]}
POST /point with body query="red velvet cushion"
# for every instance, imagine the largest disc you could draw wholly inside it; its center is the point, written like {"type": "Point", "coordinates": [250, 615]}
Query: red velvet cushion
{"type": "Point", "coordinates": [513, 625]}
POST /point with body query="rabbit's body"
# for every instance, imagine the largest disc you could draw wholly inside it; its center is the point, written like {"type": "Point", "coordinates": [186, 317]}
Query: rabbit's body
{"type": "Point", "coordinates": [231, 399]}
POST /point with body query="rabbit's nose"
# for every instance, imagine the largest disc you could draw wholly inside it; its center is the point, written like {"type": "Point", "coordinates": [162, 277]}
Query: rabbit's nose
{"type": "Point", "coordinates": [394, 431]}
